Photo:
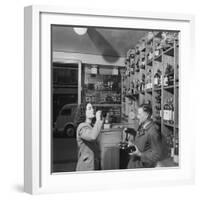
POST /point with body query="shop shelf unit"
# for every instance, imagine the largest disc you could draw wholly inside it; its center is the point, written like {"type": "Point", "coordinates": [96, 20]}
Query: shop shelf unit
{"type": "Point", "coordinates": [161, 76]}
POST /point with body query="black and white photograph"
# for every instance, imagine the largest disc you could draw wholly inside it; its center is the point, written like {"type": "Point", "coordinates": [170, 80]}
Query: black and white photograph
{"type": "Point", "coordinates": [114, 98]}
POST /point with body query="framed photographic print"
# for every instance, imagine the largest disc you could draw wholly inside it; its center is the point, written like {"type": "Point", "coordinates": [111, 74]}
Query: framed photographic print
{"type": "Point", "coordinates": [107, 99]}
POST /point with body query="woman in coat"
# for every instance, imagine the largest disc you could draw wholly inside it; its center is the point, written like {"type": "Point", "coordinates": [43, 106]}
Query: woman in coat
{"type": "Point", "coordinates": [88, 148]}
{"type": "Point", "coordinates": [147, 141]}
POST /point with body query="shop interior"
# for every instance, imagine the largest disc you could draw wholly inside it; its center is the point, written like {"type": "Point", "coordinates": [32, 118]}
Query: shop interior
{"type": "Point", "coordinates": [116, 70]}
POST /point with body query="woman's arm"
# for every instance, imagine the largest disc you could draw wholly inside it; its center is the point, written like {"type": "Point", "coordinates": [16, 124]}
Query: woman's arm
{"type": "Point", "coordinates": [91, 134]}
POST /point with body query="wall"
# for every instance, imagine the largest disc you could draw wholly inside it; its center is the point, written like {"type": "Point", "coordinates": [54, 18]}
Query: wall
{"type": "Point", "coordinates": [88, 58]}
{"type": "Point", "coordinates": [11, 101]}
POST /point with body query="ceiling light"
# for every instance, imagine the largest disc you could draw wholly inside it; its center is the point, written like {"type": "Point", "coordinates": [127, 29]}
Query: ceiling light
{"type": "Point", "coordinates": [80, 31]}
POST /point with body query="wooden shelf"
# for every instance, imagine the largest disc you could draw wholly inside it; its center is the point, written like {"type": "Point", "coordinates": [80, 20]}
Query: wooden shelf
{"type": "Point", "coordinates": [169, 125]}
{"type": "Point", "coordinates": [168, 87]}
{"type": "Point", "coordinates": [107, 105]}
{"type": "Point", "coordinates": [169, 51]}
{"type": "Point", "coordinates": [158, 58]}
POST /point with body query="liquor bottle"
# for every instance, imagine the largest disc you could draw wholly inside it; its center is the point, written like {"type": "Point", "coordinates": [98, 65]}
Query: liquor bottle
{"type": "Point", "coordinates": [150, 85]}
{"type": "Point", "coordinates": [157, 78]}
{"type": "Point", "coordinates": [158, 99]}
{"type": "Point", "coordinates": [165, 80]}
{"type": "Point", "coordinates": [137, 66]}
{"type": "Point", "coordinates": [157, 110]}
{"type": "Point", "coordinates": [142, 84]}
{"type": "Point", "coordinates": [176, 149]}
{"type": "Point", "coordinates": [171, 114]}
{"type": "Point", "coordinates": [172, 145]}
{"type": "Point", "coordinates": [166, 112]}
{"type": "Point", "coordinates": [142, 65]}
{"type": "Point", "coordinates": [147, 82]}
{"type": "Point", "coordinates": [171, 79]}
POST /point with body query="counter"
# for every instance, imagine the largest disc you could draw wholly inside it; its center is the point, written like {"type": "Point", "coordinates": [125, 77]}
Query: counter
{"type": "Point", "coordinates": [110, 152]}
{"type": "Point", "coordinates": [109, 146]}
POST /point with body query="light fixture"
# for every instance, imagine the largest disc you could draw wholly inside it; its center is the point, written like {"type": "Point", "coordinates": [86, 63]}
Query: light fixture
{"type": "Point", "coordinates": [80, 31]}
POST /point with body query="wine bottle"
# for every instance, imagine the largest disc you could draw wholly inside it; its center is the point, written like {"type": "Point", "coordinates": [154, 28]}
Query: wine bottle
{"type": "Point", "coordinates": [156, 79]}
{"type": "Point", "coordinates": [176, 149]}
{"type": "Point", "coordinates": [165, 80]}
{"type": "Point", "coordinates": [171, 114]}
{"type": "Point", "coordinates": [166, 112]}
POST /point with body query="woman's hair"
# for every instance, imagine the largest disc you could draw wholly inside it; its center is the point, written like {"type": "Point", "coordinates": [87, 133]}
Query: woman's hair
{"type": "Point", "coordinates": [146, 108]}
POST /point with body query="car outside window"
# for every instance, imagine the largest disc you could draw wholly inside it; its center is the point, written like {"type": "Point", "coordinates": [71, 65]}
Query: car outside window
{"type": "Point", "coordinates": [66, 112]}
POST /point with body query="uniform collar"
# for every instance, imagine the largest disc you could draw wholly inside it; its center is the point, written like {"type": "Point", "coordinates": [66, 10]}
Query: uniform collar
{"type": "Point", "coordinates": [147, 124]}
{"type": "Point", "coordinates": [144, 126]}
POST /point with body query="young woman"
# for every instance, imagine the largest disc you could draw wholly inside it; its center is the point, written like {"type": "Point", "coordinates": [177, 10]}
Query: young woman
{"type": "Point", "coordinates": [88, 148]}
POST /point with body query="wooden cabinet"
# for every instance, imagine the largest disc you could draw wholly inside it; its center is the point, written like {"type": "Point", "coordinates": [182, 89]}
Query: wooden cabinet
{"type": "Point", "coordinates": [109, 146]}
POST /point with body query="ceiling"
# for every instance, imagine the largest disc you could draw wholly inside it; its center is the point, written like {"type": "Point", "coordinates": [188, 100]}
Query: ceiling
{"type": "Point", "coordinates": [97, 41]}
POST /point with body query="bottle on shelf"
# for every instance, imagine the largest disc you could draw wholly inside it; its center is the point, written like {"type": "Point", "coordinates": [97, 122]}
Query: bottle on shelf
{"type": "Point", "coordinates": [157, 111]}
{"type": "Point", "coordinates": [165, 80]}
{"type": "Point", "coordinates": [176, 149]}
{"type": "Point", "coordinates": [169, 76]}
{"type": "Point", "coordinates": [142, 84]}
{"type": "Point", "coordinates": [148, 80]}
{"type": "Point", "coordinates": [166, 112]}
{"type": "Point", "coordinates": [142, 63]}
{"type": "Point", "coordinates": [157, 50]}
{"type": "Point", "coordinates": [137, 66]}
{"type": "Point", "coordinates": [171, 113]}
{"type": "Point", "coordinates": [157, 79]}
{"type": "Point", "coordinates": [172, 146]}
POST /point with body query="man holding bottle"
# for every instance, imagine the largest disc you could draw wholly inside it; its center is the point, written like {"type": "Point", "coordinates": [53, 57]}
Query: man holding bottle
{"type": "Point", "coordinates": [145, 143]}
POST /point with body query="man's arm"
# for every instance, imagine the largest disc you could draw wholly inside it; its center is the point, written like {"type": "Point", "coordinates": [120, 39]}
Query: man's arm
{"type": "Point", "coordinates": [153, 154]}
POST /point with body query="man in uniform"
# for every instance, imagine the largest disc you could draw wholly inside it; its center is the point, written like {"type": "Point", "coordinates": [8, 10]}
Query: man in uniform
{"type": "Point", "coordinates": [146, 140]}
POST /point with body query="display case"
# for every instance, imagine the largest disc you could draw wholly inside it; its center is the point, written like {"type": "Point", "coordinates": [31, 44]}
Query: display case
{"type": "Point", "coordinates": [102, 88]}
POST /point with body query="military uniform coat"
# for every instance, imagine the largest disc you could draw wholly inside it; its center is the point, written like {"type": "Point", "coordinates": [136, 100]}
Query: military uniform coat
{"type": "Point", "coordinates": [148, 142]}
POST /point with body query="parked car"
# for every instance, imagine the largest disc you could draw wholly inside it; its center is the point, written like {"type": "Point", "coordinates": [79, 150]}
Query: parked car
{"type": "Point", "coordinates": [68, 119]}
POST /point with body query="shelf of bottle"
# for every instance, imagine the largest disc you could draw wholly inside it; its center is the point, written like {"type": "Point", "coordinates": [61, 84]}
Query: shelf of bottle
{"type": "Point", "coordinates": [107, 105]}
{"type": "Point", "coordinates": [100, 90]}
{"type": "Point", "coordinates": [168, 87]}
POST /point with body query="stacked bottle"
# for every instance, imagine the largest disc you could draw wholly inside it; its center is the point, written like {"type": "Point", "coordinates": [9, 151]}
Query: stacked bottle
{"type": "Point", "coordinates": [168, 111]}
